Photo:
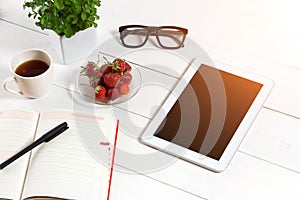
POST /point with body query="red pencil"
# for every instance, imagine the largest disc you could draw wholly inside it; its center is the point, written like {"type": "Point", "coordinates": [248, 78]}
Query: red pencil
{"type": "Point", "coordinates": [113, 159]}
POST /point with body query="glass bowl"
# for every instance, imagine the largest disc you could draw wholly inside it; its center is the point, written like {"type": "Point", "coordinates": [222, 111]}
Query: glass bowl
{"type": "Point", "coordinates": [87, 85]}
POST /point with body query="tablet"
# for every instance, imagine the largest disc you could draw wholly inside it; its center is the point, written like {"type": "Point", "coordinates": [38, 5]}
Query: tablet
{"type": "Point", "coordinates": [206, 116]}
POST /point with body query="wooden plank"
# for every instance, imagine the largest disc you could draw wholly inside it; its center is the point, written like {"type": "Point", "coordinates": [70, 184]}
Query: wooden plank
{"type": "Point", "coordinates": [15, 38]}
{"type": "Point", "coordinates": [132, 185]}
{"type": "Point", "coordinates": [274, 137]}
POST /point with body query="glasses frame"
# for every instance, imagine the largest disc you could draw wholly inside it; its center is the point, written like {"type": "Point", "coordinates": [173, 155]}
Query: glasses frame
{"type": "Point", "coordinates": [152, 30]}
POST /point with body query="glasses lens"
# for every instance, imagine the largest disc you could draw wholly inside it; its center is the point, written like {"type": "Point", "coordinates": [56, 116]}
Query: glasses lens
{"type": "Point", "coordinates": [134, 37]}
{"type": "Point", "coordinates": [171, 37]}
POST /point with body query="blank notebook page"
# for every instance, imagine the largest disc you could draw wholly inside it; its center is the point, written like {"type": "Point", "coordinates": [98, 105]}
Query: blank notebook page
{"type": "Point", "coordinates": [63, 168]}
{"type": "Point", "coordinates": [16, 131]}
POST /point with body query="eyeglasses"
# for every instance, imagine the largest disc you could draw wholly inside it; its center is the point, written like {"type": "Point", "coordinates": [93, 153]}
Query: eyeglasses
{"type": "Point", "coordinates": [168, 37]}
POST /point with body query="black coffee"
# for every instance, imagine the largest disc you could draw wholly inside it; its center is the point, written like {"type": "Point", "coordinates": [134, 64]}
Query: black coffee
{"type": "Point", "coordinates": [32, 68]}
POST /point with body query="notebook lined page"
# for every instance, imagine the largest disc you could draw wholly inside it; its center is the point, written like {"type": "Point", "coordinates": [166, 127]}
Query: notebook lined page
{"type": "Point", "coordinates": [63, 168]}
{"type": "Point", "coordinates": [17, 129]}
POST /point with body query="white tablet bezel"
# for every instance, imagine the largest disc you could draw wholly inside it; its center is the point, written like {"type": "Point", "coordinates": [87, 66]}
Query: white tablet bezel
{"type": "Point", "coordinates": [148, 137]}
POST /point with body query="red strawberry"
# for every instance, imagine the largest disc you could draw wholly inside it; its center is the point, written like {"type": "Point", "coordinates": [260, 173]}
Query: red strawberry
{"type": "Point", "coordinates": [124, 88]}
{"type": "Point", "coordinates": [105, 69]}
{"type": "Point", "coordinates": [127, 68]}
{"type": "Point", "coordinates": [126, 78]}
{"type": "Point", "coordinates": [113, 93]}
{"type": "Point", "coordinates": [119, 65]}
{"type": "Point", "coordinates": [112, 79]}
{"type": "Point", "coordinates": [101, 80]}
{"type": "Point", "coordinates": [100, 92]}
{"type": "Point", "coordinates": [123, 66]}
{"type": "Point", "coordinates": [91, 69]}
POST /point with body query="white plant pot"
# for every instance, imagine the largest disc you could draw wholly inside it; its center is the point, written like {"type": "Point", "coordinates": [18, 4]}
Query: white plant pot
{"type": "Point", "coordinates": [75, 48]}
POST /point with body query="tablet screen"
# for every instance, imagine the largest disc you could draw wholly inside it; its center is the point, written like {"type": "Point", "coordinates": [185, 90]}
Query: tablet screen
{"type": "Point", "coordinates": [209, 111]}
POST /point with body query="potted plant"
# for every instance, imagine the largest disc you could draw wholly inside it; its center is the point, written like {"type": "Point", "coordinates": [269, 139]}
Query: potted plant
{"type": "Point", "coordinates": [71, 23]}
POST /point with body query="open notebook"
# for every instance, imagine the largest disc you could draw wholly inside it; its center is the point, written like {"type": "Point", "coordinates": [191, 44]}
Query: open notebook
{"type": "Point", "coordinates": [61, 168]}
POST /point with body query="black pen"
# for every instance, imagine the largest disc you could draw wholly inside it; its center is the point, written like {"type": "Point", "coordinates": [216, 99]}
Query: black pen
{"type": "Point", "coordinates": [44, 138]}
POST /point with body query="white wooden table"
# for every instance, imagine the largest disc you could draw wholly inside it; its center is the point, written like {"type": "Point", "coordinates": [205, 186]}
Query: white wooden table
{"type": "Point", "coordinates": [259, 36]}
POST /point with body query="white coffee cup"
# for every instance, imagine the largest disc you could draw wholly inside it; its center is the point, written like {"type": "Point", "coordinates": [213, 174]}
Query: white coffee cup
{"type": "Point", "coordinates": [34, 86]}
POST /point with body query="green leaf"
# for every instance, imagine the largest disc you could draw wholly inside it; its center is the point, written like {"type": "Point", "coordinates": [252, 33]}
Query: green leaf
{"type": "Point", "coordinates": [77, 9]}
{"type": "Point", "coordinates": [65, 17]}
{"type": "Point", "coordinates": [59, 4]}
{"type": "Point", "coordinates": [83, 16]}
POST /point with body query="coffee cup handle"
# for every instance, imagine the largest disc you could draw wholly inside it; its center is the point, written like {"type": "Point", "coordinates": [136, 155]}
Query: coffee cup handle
{"type": "Point", "coordinates": [6, 81]}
